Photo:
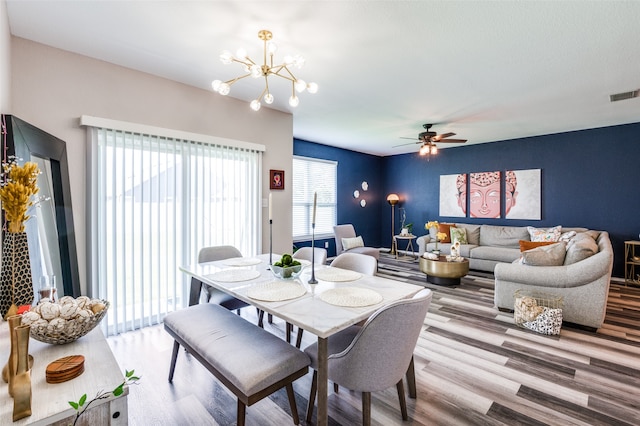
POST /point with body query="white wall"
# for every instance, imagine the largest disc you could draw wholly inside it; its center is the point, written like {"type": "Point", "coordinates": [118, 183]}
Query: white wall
{"type": "Point", "coordinates": [52, 88]}
{"type": "Point", "coordinates": [5, 60]}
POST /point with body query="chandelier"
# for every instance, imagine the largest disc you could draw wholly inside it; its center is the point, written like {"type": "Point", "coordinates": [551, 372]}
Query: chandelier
{"type": "Point", "coordinates": [265, 70]}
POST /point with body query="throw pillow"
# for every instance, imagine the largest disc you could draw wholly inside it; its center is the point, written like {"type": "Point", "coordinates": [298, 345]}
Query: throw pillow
{"type": "Point", "coordinates": [551, 234]}
{"type": "Point", "coordinates": [582, 246]}
{"type": "Point", "coordinates": [349, 243]}
{"type": "Point", "coordinates": [459, 235]}
{"type": "Point", "coordinates": [567, 236]}
{"type": "Point", "coordinates": [550, 255]}
{"type": "Point", "coordinates": [528, 245]}
{"type": "Point", "coordinates": [446, 228]}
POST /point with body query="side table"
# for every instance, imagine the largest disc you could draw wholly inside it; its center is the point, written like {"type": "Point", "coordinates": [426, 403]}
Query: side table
{"type": "Point", "coordinates": [49, 402]}
{"type": "Point", "coordinates": [631, 262]}
{"type": "Point", "coordinates": [408, 239]}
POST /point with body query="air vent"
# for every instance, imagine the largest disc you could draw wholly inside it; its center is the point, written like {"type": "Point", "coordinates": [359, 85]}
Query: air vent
{"type": "Point", "coordinates": [624, 95]}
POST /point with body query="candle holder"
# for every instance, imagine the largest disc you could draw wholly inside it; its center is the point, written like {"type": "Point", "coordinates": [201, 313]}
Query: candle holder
{"type": "Point", "coordinates": [313, 255]}
{"type": "Point", "coordinates": [270, 242]}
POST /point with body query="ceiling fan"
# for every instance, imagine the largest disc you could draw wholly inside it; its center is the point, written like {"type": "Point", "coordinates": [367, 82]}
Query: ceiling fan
{"type": "Point", "coordinates": [428, 139]}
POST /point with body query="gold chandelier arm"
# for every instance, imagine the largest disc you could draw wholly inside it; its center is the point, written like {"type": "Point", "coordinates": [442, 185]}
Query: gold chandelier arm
{"type": "Point", "coordinates": [247, 64]}
{"type": "Point", "coordinates": [279, 68]}
{"type": "Point", "coordinates": [230, 82]}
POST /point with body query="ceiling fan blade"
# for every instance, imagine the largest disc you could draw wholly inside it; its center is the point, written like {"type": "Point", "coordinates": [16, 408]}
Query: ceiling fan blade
{"type": "Point", "coordinates": [413, 139]}
{"type": "Point", "coordinates": [405, 144]}
{"type": "Point", "coordinates": [443, 136]}
{"type": "Point", "coordinates": [452, 140]}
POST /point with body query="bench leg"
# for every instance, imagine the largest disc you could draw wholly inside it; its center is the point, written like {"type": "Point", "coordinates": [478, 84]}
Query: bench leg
{"type": "Point", "coordinates": [174, 358]}
{"type": "Point", "coordinates": [312, 396]}
{"type": "Point", "coordinates": [292, 403]}
{"type": "Point", "coordinates": [241, 413]}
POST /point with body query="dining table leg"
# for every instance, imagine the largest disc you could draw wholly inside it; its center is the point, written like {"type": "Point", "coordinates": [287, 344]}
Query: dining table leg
{"type": "Point", "coordinates": [323, 379]}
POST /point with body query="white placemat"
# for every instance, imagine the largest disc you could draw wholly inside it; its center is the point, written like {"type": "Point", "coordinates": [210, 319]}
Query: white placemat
{"type": "Point", "coordinates": [337, 275]}
{"type": "Point", "coordinates": [276, 291]}
{"type": "Point", "coordinates": [242, 261]}
{"type": "Point", "coordinates": [234, 275]}
{"type": "Point", "coordinates": [351, 296]}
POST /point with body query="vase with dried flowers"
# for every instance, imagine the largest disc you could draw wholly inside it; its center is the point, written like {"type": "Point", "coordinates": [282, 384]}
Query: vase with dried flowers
{"type": "Point", "coordinates": [17, 193]}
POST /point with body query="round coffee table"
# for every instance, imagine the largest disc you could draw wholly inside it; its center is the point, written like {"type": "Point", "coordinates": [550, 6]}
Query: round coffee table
{"type": "Point", "coordinates": [441, 272]}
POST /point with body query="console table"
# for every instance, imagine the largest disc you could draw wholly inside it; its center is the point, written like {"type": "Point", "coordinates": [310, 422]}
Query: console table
{"type": "Point", "coordinates": [631, 262]}
{"type": "Point", "coordinates": [50, 402]}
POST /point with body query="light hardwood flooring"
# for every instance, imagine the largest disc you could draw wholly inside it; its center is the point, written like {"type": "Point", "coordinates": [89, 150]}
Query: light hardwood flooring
{"type": "Point", "coordinates": [473, 367]}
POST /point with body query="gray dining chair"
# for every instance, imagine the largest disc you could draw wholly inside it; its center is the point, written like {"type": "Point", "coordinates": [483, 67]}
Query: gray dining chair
{"type": "Point", "coordinates": [211, 294]}
{"type": "Point", "coordinates": [306, 253]}
{"type": "Point", "coordinates": [362, 263]}
{"type": "Point", "coordinates": [348, 231]}
{"type": "Point", "coordinates": [375, 356]}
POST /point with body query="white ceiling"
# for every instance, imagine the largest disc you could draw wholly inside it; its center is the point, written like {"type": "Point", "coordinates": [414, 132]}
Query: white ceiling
{"type": "Point", "coordinates": [486, 70]}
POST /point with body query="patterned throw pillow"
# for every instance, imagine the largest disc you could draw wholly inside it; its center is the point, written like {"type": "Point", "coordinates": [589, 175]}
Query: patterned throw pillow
{"type": "Point", "coordinates": [459, 235]}
{"type": "Point", "coordinates": [551, 234]}
{"type": "Point", "coordinates": [349, 243]}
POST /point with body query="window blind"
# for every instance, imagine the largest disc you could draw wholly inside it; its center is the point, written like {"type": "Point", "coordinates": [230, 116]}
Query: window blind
{"type": "Point", "coordinates": [311, 176]}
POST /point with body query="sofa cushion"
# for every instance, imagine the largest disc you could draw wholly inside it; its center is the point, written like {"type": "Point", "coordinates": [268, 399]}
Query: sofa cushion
{"type": "Point", "coordinates": [473, 232]}
{"type": "Point", "coordinates": [495, 254]}
{"type": "Point", "coordinates": [549, 255]}
{"type": "Point", "coordinates": [541, 234]}
{"type": "Point", "coordinates": [579, 248]}
{"type": "Point", "coordinates": [459, 235]}
{"type": "Point", "coordinates": [528, 245]}
{"type": "Point", "coordinates": [503, 236]}
{"type": "Point", "coordinates": [446, 229]}
{"type": "Point", "coordinates": [349, 243]}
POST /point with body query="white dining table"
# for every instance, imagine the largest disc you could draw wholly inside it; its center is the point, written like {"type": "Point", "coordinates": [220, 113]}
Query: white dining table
{"type": "Point", "coordinates": [307, 311]}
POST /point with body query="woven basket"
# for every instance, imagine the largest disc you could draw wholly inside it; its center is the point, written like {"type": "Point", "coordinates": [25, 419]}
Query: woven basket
{"type": "Point", "coordinates": [72, 331]}
{"type": "Point", "coordinates": [540, 312]}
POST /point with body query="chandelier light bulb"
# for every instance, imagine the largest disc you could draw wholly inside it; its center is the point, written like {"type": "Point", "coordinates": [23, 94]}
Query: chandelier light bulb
{"type": "Point", "coordinates": [224, 89]}
{"type": "Point", "coordinates": [241, 54]}
{"type": "Point", "coordinates": [294, 101]}
{"type": "Point", "coordinates": [312, 88]}
{"type": "Point", "coordinates": [226, 57]}
{"type": "Point", "coordinates": [256, 72]}
{"type": "Point", "coordinates": [298, 61]}
{"type": "Point", "coordinates": [268, 99]}
{"type": "Point", "coordinates": [255, 105]}
{"type": "Point", "coordinates": [300, 85]}
{"type": "Point", "coordinates": [272, 47]}
{"type": "Point", "coordinates": [288, 60]}
{"type": "Point", "coordinates": [216, 85]}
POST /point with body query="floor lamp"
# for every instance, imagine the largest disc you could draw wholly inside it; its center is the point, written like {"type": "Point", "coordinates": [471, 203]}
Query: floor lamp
{"type": "Point", "coordinates": [393, 200]}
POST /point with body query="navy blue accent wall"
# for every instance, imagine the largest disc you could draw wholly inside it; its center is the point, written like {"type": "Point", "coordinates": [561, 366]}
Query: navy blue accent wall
{"type": "Point", "coordinates": [588, 180]}
{"type": "Point", "coordinates": [353, 168]}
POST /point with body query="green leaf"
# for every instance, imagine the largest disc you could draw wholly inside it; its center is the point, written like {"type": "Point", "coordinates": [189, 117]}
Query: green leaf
{"type": "Point", "coordinates": [83, 399]}
{"type": "Point", "coordinates": [129, 373]}
{"type": "Point", "coordinates": [74, 405]}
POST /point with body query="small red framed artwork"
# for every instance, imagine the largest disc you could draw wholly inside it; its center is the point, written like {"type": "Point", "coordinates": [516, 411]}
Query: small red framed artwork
{"type": "Point", "coordinates": [276, 179]}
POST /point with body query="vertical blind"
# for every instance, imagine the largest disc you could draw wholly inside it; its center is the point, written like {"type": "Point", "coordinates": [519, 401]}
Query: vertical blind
{"type": "Point", "coordinates": [156, 201]}
{"type": "Point", "coordinates": [311, 175]}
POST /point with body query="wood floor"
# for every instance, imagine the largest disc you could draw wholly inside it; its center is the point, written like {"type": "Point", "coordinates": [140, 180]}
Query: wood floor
{"type": "Point", "coordinates": [473, 367]}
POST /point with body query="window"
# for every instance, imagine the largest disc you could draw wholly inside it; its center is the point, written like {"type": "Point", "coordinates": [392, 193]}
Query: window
{"type": "Point", "coordinates": [156, 201]}
{"type": "Point", "coordinates": [310, 176]}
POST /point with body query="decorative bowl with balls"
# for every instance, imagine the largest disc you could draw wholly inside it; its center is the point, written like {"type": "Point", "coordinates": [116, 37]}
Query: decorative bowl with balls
{"type": "Point", "coordinates": [287, 268]}
{"type": "Point", "coordinates": [64, 321]}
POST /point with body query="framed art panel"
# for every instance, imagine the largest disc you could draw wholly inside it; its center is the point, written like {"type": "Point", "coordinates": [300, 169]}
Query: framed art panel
{"type": "Point", "coordinates": [522, 193]}
{"type": "Point", "coordinates": [484, 195]}
{"type": "Point", "coordinates": [276, 179]}
{"type": "Point", "coordinates": [453, 200]}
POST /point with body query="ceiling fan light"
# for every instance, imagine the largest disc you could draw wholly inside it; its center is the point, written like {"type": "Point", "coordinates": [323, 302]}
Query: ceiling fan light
{"type": "Point", "coordinates": [294, 101]}
{"type": "Point", "coordinates": [300, 85]}
{"type": "Point", "coordinates": [226, 57]}
{"type": "Point", "coordinates": [312, 88]}
{"type": "Point", "coordinates": [268, 99]}
{"type": "Point", "coordinates": [424, 150]}
{"type": "Point", "coordinates": [434, 149]}
{"type": "Point", "coordinates": [255, 105]}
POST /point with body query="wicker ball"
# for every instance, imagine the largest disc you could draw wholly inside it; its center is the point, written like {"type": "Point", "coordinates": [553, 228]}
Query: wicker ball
{"type": "Point", "coordinates": [66, 321]}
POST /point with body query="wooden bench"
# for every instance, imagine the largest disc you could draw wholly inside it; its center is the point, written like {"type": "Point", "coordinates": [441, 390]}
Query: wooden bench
{"type": "Point", "coordinates": [248, 360]}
